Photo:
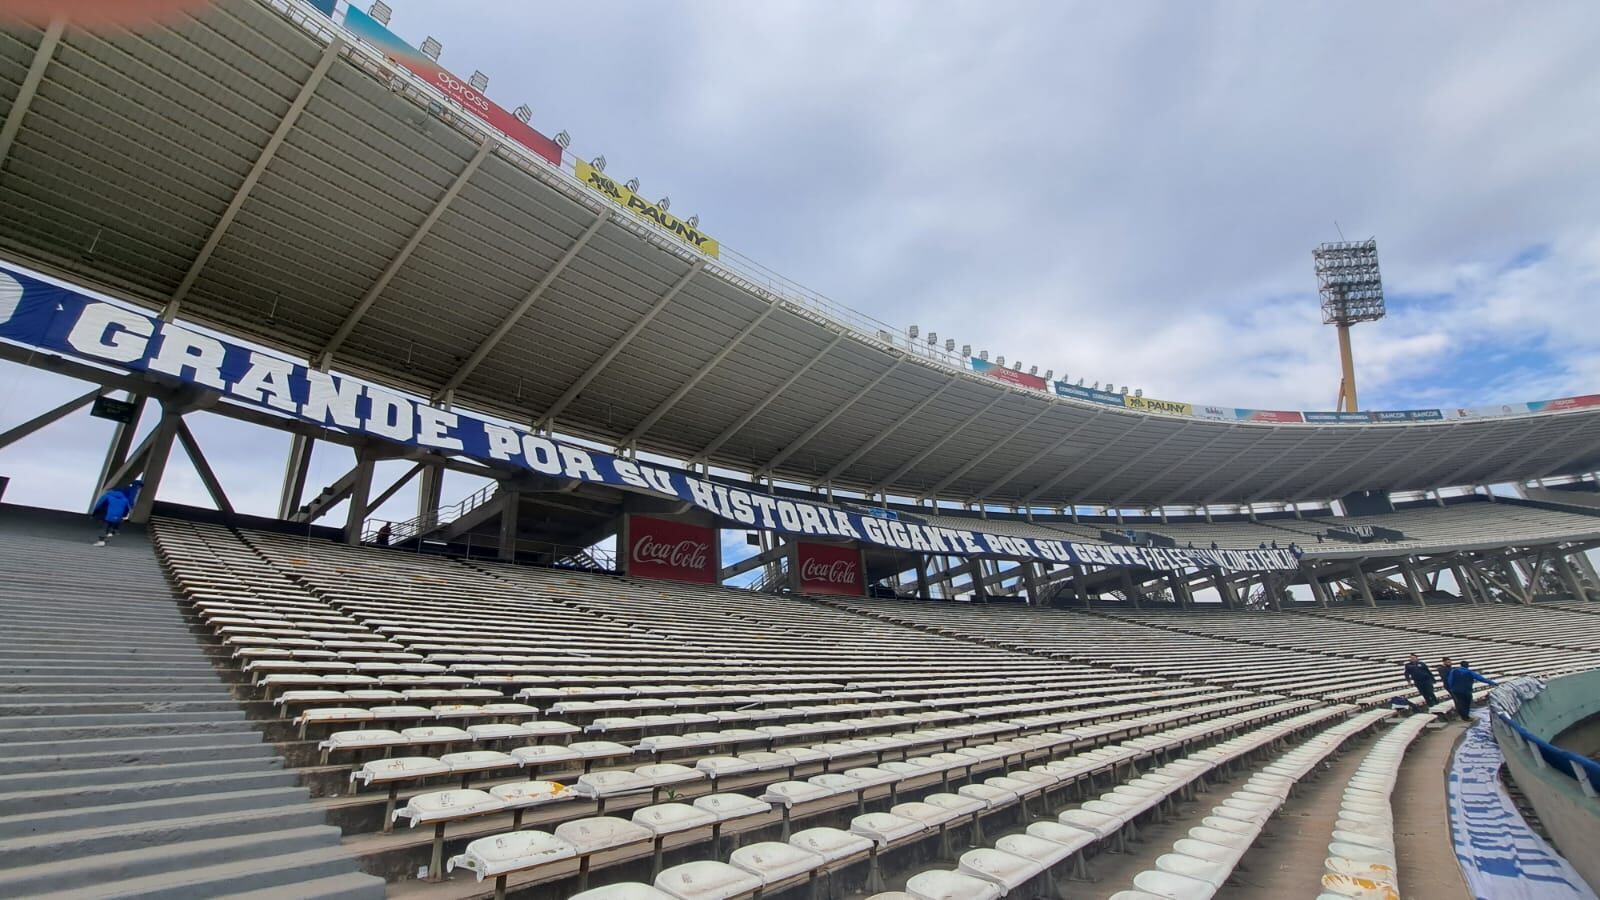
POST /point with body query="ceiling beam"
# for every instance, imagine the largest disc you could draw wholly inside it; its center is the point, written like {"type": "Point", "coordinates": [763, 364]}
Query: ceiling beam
{"type": "Point", "coordinates": [511, 319]}
{"type": "Point", "coordinates": [816, 429]}
{"type": "Point", "coordinates": [42, 55]}
{"type": "Point", "coordinates": [1266, 435]}
{"type": "Point", "coordinates": [1305, 466]}
{"type": "Point", "coordinates": [1530, 436]}
{"type": "Point", "coordinates": [285, 125]}
{"type": "Point", "coordinates": [1006, 479]}
{"type": "Point", "coordinates": [662, 408]}
{"type": "Point", "coordinates": [988, 451]}
{"type": "Point", "coordinates": [621, 343]}
{"type": "Point", "coordinates": [884, 433]}
{"type": "Point", "coordinates": [932, 448]}
{"type": "Point", "coordinates": [1131, 461]}
{"type": "Point", "coordinates": [325, 358]}
{"type": "Point", "coordinates": [1224, 431]}
{"type": "Point", "coordinates": [1379, 478]}
{"type": "Point", "coordinates": [1353, 464]}
{"type": "Point", "coordinates": [752, 412]}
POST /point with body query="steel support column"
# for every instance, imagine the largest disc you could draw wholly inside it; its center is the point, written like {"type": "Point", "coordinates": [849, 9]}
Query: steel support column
{"type": "Point", "coordinates": [30, 86]}
{"type": "Point", "coordinates": [117, 449]}
{"type": "Point", "coordinates": [360, 489]}
{"type": "Point", "coordinates": [488, 344]}
{"type": "Point", "coordinates": [242, 193]}
{"type": "Point", "coordinates": [202, 467]}
{"type": "Point", "coordinates": [1362, 585]}
{"type": "Point", "coordinates": [1410, 575]}
{"type": "Point", "coordinates": [157, 452]}
{"type": "Point", "coordinates": [18, 432]}
{"type": "Point", "coordinates": [510, 507]}
{"type": "Point", "coordinates": [295, 467]}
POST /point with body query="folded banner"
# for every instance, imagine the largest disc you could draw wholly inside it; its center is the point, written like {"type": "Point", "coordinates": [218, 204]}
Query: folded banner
{"type": "Point", "coordinates": [39, 314]}
{"type": "Point", "coordinates": [624, 197]}
{"type": "Point", "coordinates": [470, 98]}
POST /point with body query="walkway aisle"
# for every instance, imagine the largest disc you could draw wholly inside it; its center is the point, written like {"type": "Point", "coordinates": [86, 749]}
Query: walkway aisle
{"type": "Point", "coordinates": [126, 766]}
{"type": "Point", "coordinates": [1428, 866]}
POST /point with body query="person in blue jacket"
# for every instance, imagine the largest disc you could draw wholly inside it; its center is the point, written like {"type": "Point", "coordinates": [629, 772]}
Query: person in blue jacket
{"type": "Point", "coordinates": [114, 506]}
{"type": "Point", "coordinates": [1459, 684]}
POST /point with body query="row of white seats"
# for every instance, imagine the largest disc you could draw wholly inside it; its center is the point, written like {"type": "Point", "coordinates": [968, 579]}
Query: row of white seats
{"type": "Point", "coordinates": [502, 855]}
{"type": "Point", "coordinates": [1201, 863]}
{"type": "Point", "coordinates": [1361, 856]}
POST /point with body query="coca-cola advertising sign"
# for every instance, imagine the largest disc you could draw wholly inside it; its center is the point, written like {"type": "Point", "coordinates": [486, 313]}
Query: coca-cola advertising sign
{"type": "Point", "coordinates": [676, 551]}
{"type": "Point", "coordinates": [830, 569]}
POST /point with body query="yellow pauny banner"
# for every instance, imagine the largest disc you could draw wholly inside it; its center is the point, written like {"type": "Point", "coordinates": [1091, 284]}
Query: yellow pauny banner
{"type": "Point", "coordinates": [644, 209]}
{"type": "Point", "coordinates": [1150, 404]}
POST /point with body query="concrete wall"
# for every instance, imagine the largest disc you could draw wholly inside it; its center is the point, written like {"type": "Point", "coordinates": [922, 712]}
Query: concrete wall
{"type": "Point", "coordinates": [1570, 817]}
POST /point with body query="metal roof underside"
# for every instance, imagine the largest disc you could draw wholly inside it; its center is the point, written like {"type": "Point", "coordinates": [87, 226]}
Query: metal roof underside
{"type": "Point", "coordinates": [129, 155]}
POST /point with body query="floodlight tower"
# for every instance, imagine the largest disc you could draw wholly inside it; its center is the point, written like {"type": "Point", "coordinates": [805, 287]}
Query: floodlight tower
{"type": "Point", "coordinates": [1352, 291]}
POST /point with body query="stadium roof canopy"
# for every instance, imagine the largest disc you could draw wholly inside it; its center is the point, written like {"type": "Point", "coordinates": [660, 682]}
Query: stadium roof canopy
{"type": "Point", "coordinates": [234, 171]}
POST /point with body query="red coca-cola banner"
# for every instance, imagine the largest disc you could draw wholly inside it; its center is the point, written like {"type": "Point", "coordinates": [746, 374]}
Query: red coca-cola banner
{"type": "Point", "coordinates": [676, 551]}
{"type": "Point", "coordinates": [830, 569]}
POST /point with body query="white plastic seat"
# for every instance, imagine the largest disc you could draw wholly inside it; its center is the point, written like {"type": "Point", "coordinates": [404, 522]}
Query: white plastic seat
{"type": "Point", "coordinates": [728, 807]}
{"type": "Point", "coordinates": [956, 803]}
{"type": "Point", "coordinates": [707, 880]}
{"type": "Point", "coordinates": [522, 794]}
{"type": "Point", "coordinates": [871, 776]}
{"type": "Point", "coordinates": [445, 806]}
{"type": "Point", "coordinates": [1007, 870]}
{"type": "Point", "coordinates": [723, 766]}
{"type": "Point", "coordinates": [610, 784]}
{"type": "Point", "coordinates": [1338, 865]}
{"type": "Point", "coordinates": [477, 761]}
{"type": "Point", "coordinates": [599, 749]}
{"type": "Point", "coordinates": [1366, 837]}
{"type": "Point", "coordinates": [1042, 851]}
{"type": "Point", "coordinates": [1067, 836]}
{"type": "Point", "coordinates": [1362, 888]}
{"type": "Point", "coordinates": [1360, 853]}
{"type": "Point", "coordinates": [832, 844]}
{"type": "Point", "coordinates": [1212, 871]}
{"type": "Point", "coordinates": [493, 856]}
{"type": "Point", "coordinates": [495, 731]}
{"type": "Point", "coordinates": [1173, 886]}
{"type": "Point", "coordinates": [929, 815]}
{"type": "Point", "coordinates": [886, 828]}
{"type": "Point", "coordinates": [434, 734]}
{"type": "Point", "coordinates": [399, 768]}
{"type": "Point", "coordinates": [775, 861]}
{"type": "Point", "coordinates": [991, 797]}
{"type": "Point", "coordinates": [794, 793]}
{"type": "Point", "coordinates": [668, 818]}
{"type": "Point", "coordinates": [943, 884]}
{"type": "Point", "coordinates": [663, 774]}
{"type": "Point", "coordinates": [361, 740]}
{"type": "Point", "coordinates": [1098, 824]}
{"type": "Point", "coordinates": [836, 783]}
{"type": "Point", "coordinates": [598, 833]}
{"type": "Point", "coordinates": [542, 755]}
{"type": "Point", "coordinates": [548, 729]}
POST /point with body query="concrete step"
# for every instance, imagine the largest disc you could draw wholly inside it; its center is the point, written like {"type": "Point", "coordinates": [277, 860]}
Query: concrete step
{"type": "Point", "coordinates": [281, 873]}
{"type": "Point", "coordinates": [59, 698]}
{"type": "Point", "coordinates": [134, 681]}
{"type": "Point", "coordinates": [45, 763]}
{"type": "Point", "coordinates": [105, 838]}
{"type": "Point", "coordinates": [26, 802]}
{"type": "Point", "coordinates": [34, 707]}
{"type": "Point", "coordinates": [147, 811]}
{"type": "Point", "coordinates": [35, 780]}
{"type": "Point", "coordinates": [238, 734]}
{"type": "Point", "coordinates": [107, 868]}
{"type": "Point", "coordinates": [161, 720]}
{"type": "Point", "coordinates": [45, 668]}
{"type": "Point", "coordinates": [355, 886]}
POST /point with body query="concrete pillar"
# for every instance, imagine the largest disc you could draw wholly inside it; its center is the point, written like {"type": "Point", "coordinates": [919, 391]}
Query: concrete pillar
{"type": "Point", "coordinates": [1464, 584]}
{"type": "Point", "coordinates": [355, 516]}
{"type": "Point", "coordinates": [155, 465]}
{"type": "Point", "coordinates": [1587, 568]}
{"type": "Point", "coordinates": [974, 568]}
{"type": "Point", "coordinates": [1362, 585]}
{"type": "Point", "coordinates": [295, 467]}
{"type": "Point", "coordinates": [1411, 582]}
{"type": "Point", "coordinates": [1078, 586]}
{"type": "Point", "coordinates": [1225, 589]}
{"type": "Point", "coordinates": [1179, 583]}
{"type": "Point", "coordinates": [1318, 589]}
{"type": "Point", "coordinates": [430, 489]}
{"type": "Point", "coordinates": [1129, 591]}
{"type": "Point", "coordinates": [923, 590]}
{"type": "Point", "coordinates": [510, 506]}
{"type": "Point", "coordinates": [1569, 576]}
{"type": "Point", "coordinates": [117, 450]}
{"type": "Point", "coordinates": [1030, 578]}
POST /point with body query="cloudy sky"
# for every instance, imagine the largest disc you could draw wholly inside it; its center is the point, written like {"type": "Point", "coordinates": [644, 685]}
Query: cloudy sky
{"type": "Point", "coordinates": [1126, 192]}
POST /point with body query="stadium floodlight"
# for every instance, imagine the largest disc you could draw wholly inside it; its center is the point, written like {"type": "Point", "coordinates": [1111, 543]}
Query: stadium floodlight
{"type": "Point", "coordinates": [1000, 360]}
{"type": "Point", "coordinates": [1080, 382]}
{"type": "Point", "coordinates": [966, 349]}
{"type": "Point", "coordinates": [599, 163]}
{"type": "Point", "coordinates": [1138, 392]}
{"type": "Point", "coordinates": [1351, 287]}
{"type": "Point", "coordinates": [632, 184]}
{"type": "Point", "coordinates": [380, 12]}
{"type": "Point", "coordinates": [1032, 370]}
{"type": "Point", "coordinates": [949, 345]}
{"type": "Point", "coordinates": [431, 48]}
{"type": "Point", "coordinates": [479, 80]}
{"type": "Point", "coordinates": [563, 140]}
{"type": "Point", "coordinates": [1016, 366]}
{"type": "Point", "coordinates": [1124, 390]}
{"type": "Point", "coordinates": [525, 112]}
{"type": "Point", "coordinates": [912, 331]}
{"type": "Point", "coordinates": [983, 355]}
{"type": "Point", "coordinates": [693, 221]}
{"type": "Point", "coordinates": [1049, 374]}
{"type": "Point", "coordinates": [664, 203]}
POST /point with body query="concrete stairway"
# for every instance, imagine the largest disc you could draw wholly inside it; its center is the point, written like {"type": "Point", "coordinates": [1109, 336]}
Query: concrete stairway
{"type": "Point", "coordinates": [126, 767]}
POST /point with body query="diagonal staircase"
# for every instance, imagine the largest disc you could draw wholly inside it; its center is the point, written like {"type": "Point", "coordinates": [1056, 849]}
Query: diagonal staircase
{"type": "Point", "coordinates": [127, 768]}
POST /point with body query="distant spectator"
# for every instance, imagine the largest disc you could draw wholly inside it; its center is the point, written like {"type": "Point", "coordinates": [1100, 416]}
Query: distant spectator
{"type": "Point", "coordinates": [1274, 545]}
{"type": "Point", "coordinates": [113, 508]}
{"type": "Point", "coordinates": [1263, 545]}
{"type": "Point", "coordinates": [382, 538]}
{"type": "Point", "coordinates": [1459, 684]}
{"type": "Point", "coordinates": [1418, 673]}
{"type": "Point", "coordinates": [1444, 672]}
{"type": "Point", "coordinates": [1213, 545]}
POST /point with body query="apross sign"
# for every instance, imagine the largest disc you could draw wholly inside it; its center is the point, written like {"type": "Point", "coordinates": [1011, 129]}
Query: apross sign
{"type": "Point", "coordinates": [59, 320]}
